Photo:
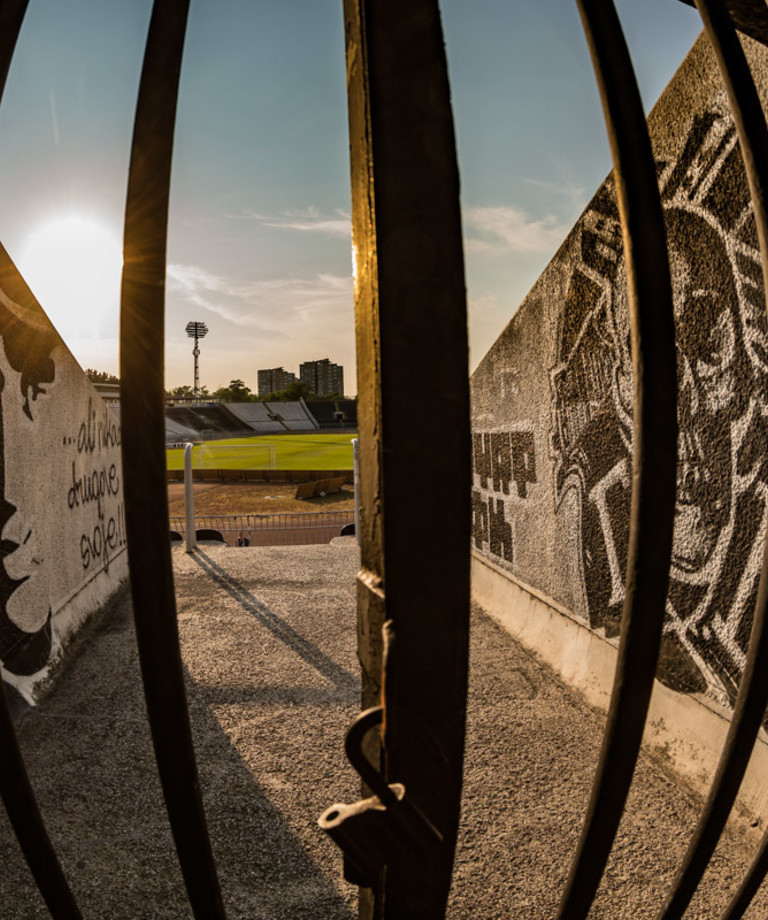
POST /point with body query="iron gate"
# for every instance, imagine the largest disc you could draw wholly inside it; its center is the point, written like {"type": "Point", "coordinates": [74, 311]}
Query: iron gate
{"type": "Point", "coordinates": [413, 606]}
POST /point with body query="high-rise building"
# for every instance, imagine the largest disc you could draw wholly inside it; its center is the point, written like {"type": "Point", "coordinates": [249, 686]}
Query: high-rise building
{"type": "Point", "coordinates": [274, 380]}
{"type": "Point", "coordinates": [322, 377]}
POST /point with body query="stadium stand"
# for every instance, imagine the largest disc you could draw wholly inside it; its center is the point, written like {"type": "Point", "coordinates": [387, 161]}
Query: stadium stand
{"type": "Point", "coordinates": [176, 432]}
{"type": "Point", "coordinates": [293, 414]}
{"type": "Point", "coordinates": [256, 415]}
{"type": "Point", "coordinates": [323, 412]}
{"type": "Point", "coordinates": [348, 407]}
{"type": "Point", "coordinates": [334, 413]}
{"type": "Point", "coordinates": [215, 418]}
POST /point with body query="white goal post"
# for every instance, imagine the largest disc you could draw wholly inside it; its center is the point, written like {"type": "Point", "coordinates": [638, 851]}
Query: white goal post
{"type": "Point", "coordinates": [257, 456]}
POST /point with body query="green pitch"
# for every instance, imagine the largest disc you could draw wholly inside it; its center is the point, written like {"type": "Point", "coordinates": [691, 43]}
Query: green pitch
{"type": "Point", "coordinates": [293, 452]}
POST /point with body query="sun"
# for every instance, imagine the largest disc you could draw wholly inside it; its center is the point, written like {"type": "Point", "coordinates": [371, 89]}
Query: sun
{"type": "Point", "coordinates": [73, 266]}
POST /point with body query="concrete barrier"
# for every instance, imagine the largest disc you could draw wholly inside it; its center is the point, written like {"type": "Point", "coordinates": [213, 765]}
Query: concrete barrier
{"type": "Point", "coordinates": [62, 519]}
{"type": "Point", "coordinates": [552, 414]}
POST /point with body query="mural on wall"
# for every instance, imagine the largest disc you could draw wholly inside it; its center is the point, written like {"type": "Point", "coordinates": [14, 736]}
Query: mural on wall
{"type": "Point", "coordinates": [722, 354]}
{"type": "Point", "coordinates": [61, 515]}
{"type": "Point", "coordinates": [504, 464]}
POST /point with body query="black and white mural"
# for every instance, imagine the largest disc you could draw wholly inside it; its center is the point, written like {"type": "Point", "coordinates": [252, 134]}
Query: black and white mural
{"type": "Point", "coordinates": [722, 352]}
{"type": "Point", "coordinates": [61, 516]}
{"type": "Point", "coordinates": [580, 305]}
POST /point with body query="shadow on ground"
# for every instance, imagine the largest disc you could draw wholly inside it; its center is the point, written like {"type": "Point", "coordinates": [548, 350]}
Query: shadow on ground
{"type": "Point", "coordinates": [258, 740]}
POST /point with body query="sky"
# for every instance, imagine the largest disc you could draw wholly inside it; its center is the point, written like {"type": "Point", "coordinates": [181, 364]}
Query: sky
{"type": "Point", "coordinates": [259, 231]}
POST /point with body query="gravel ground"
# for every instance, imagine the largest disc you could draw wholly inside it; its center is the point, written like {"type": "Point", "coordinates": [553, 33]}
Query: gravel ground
{"type": "Point", "coordinates": [268, 638]}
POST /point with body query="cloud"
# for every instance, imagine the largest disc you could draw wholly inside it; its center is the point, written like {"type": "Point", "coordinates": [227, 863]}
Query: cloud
{"type": "Point", "coordinates": [508, 229]}
{"type": "Point", "coordinates": [307, 220]}
{"type": "Point", "coordinates": [273, 305]}
{"type": "Point", "coordinates": [567, 189]}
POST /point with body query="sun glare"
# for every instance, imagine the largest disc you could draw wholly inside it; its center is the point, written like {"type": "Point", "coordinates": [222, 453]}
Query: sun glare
{"type": "Point", "coordinates": [73, 266]}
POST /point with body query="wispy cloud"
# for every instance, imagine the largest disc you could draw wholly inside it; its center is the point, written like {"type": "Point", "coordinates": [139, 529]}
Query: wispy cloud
{"type": "Point", "coordinates": [272, 306]}
{"type": "Point", "coordinates": [306, 220]}
{"type": "Point", "coordinates": [574, 194]}
{"type": "Point", "coordinates": [54, 118]}
{"type": "Point", "coordinates": [508, 229]}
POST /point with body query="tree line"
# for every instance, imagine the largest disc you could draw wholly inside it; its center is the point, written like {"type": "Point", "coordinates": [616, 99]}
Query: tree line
{"type": "Point", "coordinates": [235, 392]}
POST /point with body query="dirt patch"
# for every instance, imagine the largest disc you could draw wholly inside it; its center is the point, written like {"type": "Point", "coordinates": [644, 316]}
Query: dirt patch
{"type": "Point", "coordinates": [255, 498]}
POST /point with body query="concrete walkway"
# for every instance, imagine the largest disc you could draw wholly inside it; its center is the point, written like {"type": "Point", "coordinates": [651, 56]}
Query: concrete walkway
{"type": "Point", "coordinates": [268, 638]}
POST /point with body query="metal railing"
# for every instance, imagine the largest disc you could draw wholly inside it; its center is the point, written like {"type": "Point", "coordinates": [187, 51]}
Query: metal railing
{"type": "Point", "coordinates": [287, 529]}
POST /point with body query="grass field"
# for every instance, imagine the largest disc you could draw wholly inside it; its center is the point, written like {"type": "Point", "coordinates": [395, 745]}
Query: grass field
{"type": "Point", "coordinates": [293, 452]}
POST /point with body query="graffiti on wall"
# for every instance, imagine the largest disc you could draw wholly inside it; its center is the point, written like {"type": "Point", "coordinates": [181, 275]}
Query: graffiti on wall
{"type": "Point", "coordinates": [26, 372]}
{"type": "Point", "coordinates": [95, 480]}
{"type": "Point", "coordinates": [61, 516]}
{"type": "Point", "coordinates": [504, 464]}
{"type": "Point", "coordinates": [722, 355]}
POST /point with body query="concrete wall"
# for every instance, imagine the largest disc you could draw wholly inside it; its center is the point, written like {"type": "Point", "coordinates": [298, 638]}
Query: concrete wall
{"type": "Point", "coordinates": [61, 508]}
{"type": "Point", "coordinates": [552, 405]}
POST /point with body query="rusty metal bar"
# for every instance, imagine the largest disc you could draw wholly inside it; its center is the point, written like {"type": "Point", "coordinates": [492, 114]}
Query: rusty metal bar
{"type": "Point", "coordinates": [750, 885]}
{"type": "Point", "coordinates": [24, 815]}
{"type": "Point", "coordinates": [15, 788]}
{"type": "Point", "coordinates": [749, 16]}
{"type": "Point", "coordinates": [11, 18]}
{"type": "Point", "coordinates": [410, 290]}
{"type": "Point", "coordinates": [655, 448]}
{"type": "Point", "coordinates": [749, 709]}
{"type": "Point", "coordinates": [142, 363]}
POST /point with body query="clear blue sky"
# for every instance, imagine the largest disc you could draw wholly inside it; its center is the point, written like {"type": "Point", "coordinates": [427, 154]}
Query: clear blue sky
{"type": "Point", "coordinates": [259, 243]}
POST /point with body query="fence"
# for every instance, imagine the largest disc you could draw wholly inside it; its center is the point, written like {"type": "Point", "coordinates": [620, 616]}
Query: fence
{"type": "Point", "coordinates": [294, 529]}
{"type": "Point", "coordinates": [221, 475]}
{"type": "Point", "coordinates": [409, 191]}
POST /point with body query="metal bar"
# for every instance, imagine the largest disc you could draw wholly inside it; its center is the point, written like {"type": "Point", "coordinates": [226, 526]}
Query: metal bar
{"type": "Point", "coordinates": [655, 448]}
{"type": "Point", "coordinates": [410, 289]}
{"type": "Point", "coordinates": [750, 885]}
{"type": "Point", "coordinates": [189, 500]}
{"type": "Point", "coordinates": [356, 463]}
{"type": "Point", "coordinates": [15, 788]}
{"type": "Point", "coordinates": [749, 16]}
{"type": "Point", "coordinates": [11, 18]}
{"type": "Point", "coordinates": [24, 815]}
{"type": "Point", "coordinates": [143, 444]}
{"type": "Point", "coordinates": [752, 698]}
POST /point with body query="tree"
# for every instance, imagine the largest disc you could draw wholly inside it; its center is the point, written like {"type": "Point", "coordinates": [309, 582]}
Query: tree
{"type": "Point", "coordinates": [184, 391]}
{"type": "Point", "coordinates": [296, 390]}
{"type": "Point", "coordinates": [100, 376]}
{"type": "Point", "coordinates": [237, 391]}
{"type": "Point", "coordinates": [293, 392]}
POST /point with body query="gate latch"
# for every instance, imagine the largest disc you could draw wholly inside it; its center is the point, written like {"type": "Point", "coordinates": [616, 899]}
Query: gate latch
{"type": "Point", "coordinates": [383, 830]}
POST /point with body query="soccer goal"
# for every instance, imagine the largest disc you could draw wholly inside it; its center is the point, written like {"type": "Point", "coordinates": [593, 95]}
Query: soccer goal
{"type": "Point", "coordinates": [235, 457]}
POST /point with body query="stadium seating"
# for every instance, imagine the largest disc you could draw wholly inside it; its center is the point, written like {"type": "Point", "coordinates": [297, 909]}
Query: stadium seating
{"type": "Point", "coordinates": [349, 409]}
{"type": "Point", "coordinates": [294, 415]}
{"type": "Point", "coordinates": [255, 415]}
{"type": "Point", "coordinates": [334, 413]}
{"type": "Point", "coordinates": [176, 432]}
{"type": "Point", "coordinates": [215, 418]}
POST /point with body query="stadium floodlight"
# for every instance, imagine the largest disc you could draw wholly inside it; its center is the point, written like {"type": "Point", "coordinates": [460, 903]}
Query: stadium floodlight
{"type": "Point", "coordinates": [196, 331]}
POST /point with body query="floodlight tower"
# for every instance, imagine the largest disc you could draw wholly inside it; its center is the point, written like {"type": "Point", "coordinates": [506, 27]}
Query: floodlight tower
{"type": "Point", "coordinates": [196, 331]}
